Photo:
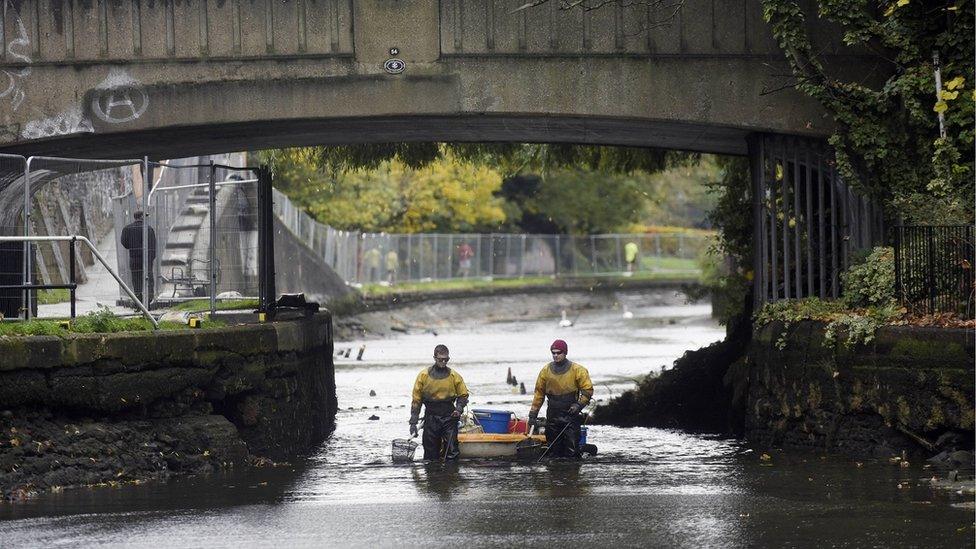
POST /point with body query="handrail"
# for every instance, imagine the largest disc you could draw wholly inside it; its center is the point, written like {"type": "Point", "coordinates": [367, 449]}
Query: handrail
{"type": "Point", "coordinates": [202, 185]}
{"type": "Point", "coordinates": [97, 255]}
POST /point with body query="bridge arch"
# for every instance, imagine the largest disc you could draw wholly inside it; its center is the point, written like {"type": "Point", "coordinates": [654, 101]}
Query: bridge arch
{"type": "Point", "coordinates": [175, 78]}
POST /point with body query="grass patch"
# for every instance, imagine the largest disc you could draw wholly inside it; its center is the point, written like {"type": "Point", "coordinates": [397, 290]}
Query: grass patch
{"type": "Point", "coordinates": [49, 297]}
{"type": "Point", "coordinates": [477, 283]}
{"type": "Point", "coordinates": [668, 264]}
{"type": "Point", "coordinates": [201, 305]}
{"type": "Point", "coordinates": [95, 322]}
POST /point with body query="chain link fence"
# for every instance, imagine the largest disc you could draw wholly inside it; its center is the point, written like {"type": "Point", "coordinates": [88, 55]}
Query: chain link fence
{"type": "Point", "coordinates": [200, 220]}
{"type": "Point", "coordinates": [191, 233]}
{"type": "Point", "coordinates": [369, 258]}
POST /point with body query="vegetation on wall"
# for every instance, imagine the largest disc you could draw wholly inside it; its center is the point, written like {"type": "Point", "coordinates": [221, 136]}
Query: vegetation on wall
{"type": "Point", "coordinates": [868, 303]}
{"type": "Point", "coordinates": [887, 137]}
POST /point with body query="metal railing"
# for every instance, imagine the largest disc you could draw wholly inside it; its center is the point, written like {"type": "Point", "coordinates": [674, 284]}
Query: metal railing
{"type": "Point", "coordinates": [362, 258]}
{"type": "Point", "coordinates": [807, 222]}
{"type": "Point", "coordinates": [72, 239]}
{"type": "Point", "coordinates": [934, 268]}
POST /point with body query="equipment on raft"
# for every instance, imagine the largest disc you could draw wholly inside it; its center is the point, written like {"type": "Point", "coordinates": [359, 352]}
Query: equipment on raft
{"type": "Point", "coordinates": [582, 440]}
{"type": "Point", "coordinates": [518, 441]}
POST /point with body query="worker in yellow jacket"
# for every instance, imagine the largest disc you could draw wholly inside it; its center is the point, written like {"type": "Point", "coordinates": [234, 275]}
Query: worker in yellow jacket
{"type": "Point", "coordinates": [443, 394]}
{"type": "Point", "coordinates": [567, 387]}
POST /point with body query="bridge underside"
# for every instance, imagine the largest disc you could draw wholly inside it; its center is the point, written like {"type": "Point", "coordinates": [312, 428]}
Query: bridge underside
{"type": "Point", "coordinates": [176, 142]}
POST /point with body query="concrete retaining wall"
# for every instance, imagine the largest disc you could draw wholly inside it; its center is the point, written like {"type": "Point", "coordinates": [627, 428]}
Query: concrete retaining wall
{"type": "Point", "coordinates": [106, 408]}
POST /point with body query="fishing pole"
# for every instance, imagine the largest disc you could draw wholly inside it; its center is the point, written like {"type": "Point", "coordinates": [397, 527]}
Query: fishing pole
{"type": "Point", "coordinates": [555, 440]}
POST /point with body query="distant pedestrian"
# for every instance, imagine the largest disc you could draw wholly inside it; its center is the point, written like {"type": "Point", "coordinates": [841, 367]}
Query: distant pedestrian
{"type": "Point", "coordinates": [631, 252]}
{"type": "Point", "coordinates": [371, 260]}
{"type": "Point", "coordinates": [465, 253]}
{"type": "Point", "coordinates": [392, 263]}
{"type": "Point", "coordinates": [131, 240]}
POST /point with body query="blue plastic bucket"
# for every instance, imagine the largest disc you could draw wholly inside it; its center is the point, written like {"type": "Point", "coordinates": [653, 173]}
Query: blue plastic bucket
{"type": "Point", "coordinates": [582, 439]}
{"type": "Point", "coordinates": [492, 421]}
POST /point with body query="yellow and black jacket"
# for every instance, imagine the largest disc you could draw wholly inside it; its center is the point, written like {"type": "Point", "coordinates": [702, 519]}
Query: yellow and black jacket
{"type": "Point", "coordinates": [441, 391]}
{"type": "Point", "coordinates": [562, 385]}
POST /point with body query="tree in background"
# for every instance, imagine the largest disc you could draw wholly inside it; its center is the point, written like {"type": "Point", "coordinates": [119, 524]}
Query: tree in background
{"type": "Point", "coordinates": [535, 188]}
{"type": "Point", "coordinates": [442, 195]}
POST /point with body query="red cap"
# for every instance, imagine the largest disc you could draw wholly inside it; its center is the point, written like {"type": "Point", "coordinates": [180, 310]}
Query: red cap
{"type": "Point", "coordinates": [560, 345]}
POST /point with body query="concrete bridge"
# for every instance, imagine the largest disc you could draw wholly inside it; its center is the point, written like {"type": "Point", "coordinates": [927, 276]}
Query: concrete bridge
{"type": "Point", "coordinates": [117, 78]}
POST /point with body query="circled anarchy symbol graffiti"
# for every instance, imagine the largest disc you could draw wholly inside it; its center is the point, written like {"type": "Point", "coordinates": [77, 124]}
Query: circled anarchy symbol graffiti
{"type": "Point", "coordinates": [120, 105]}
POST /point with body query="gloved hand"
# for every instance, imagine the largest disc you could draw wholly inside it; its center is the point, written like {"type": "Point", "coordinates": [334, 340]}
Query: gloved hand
{"type": "Point", "coordinates": [574, 409]}
{"type": "Point", "coordinates": [533, 420]}
{"type": "Point", "coordinates": [413, 429]}
{"type": "Point", "coordinates": [455, 414]}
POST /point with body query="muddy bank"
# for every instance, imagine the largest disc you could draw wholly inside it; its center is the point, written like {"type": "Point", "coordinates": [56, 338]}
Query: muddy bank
{"type": "Point", "coordinates": [694, 395]}
{"type": "Point", "coordinates": [393, 315]}
{"type": "Point", "coordinates": [129, 407]}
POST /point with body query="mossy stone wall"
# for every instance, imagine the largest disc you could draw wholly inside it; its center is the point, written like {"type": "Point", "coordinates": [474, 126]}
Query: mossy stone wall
{"type": "Point", "coordinates": [903, 390]}
{"type": "Point", "coordinates": [201, 399]}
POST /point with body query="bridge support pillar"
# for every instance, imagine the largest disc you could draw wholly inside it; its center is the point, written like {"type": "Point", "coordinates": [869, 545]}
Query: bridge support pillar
{"type": "Point", "coordinates": [266, 270]}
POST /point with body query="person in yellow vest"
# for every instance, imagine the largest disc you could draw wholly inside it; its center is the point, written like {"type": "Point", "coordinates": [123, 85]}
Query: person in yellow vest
{"type": "Point", "coordinates": [631, 250]}
{"type": "Point", "coordinates": [443, 394]}
{"type": "Point", "coordinates": [567, 387]}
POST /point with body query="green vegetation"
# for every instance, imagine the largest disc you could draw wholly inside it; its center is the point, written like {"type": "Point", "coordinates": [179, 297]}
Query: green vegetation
{"type": "Point", "coordinates": [102, 321]}
{"type": "Point", "coordinates": [887, 138]}
{"type": "Point", "coordinates": [48, 297]}
{"type": "Point", "coordinates": [201, 305]}
{"type": "Point", "coordinates": [868, 303]}
{"type": "Point", "coordinates": [871, 281]}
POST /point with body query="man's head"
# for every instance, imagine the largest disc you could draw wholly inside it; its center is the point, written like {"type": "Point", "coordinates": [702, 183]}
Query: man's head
{"type": "Point", "coordinates": [558, 350]}
{"type": "Point", "coordinates": [441, 356]}
{"type": "Point", "coordinates": [137, 215]}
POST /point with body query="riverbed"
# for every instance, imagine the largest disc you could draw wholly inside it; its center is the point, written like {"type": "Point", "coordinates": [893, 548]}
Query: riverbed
{"type": "Point", "coordinates": [646, 487]}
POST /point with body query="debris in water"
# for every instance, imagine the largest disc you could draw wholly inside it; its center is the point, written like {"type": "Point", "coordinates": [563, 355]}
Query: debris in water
{"type": "Point", "coordinates": [372, 393]}
{"type": "Point", "coordinates": [374, 417]}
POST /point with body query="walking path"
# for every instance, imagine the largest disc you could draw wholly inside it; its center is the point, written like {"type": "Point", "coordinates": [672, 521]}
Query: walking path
{"type": "Point", "coordinates": [100, 289]}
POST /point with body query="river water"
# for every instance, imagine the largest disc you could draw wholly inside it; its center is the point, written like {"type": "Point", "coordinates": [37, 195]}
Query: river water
{"type": "Point", "coordinates": [646, 487]}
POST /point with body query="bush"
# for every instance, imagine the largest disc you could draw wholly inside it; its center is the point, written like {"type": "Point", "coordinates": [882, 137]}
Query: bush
{"type": "Point", "coordinates": [872, 282]}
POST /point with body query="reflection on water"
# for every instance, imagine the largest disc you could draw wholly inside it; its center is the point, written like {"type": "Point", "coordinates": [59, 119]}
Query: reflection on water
{"type": "Point", "coordinates": [646, 487]}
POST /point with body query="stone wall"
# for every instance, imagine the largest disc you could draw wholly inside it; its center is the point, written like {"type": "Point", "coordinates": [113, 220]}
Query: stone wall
{"type": "Point", "coordinates": [910, 388]}
{"type": "Point", "coordinates": [109, 408]}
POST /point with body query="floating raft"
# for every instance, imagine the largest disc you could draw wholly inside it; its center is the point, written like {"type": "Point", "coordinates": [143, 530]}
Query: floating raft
{"type": "Point", "coordinates": [492, 445]}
